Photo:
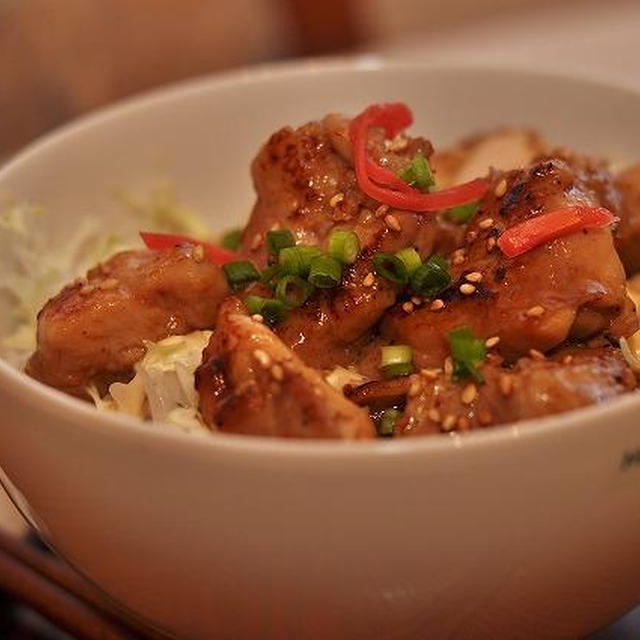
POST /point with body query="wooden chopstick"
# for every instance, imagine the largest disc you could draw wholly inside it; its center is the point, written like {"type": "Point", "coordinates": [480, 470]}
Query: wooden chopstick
{"type": "Point", "coordinates": [55, 591]}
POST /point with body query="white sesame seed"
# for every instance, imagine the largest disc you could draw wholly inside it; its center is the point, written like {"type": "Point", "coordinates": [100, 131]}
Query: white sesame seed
{"type": "Point", "coordinates": [567, 359]}
{"type": "Point", "coordinates": [256, 317]}
{"type": "Point", "coordinates": [198, 253]}
{"type": "Point", "coordinates": [471, 236]}
{"type": "Point", "coordinates": [474, 276]}
{"type": "Point", "coordinates": [109, 284]}
{"type": "Point", "coordinates": [262, 357]}
{"type": "Point", "coordinates": [449, 422]}
{"type": "Point", "coordinates": [467, 289]}
{"type": "Point", "coordinates": [392, 222]}
{"type": "Point", "coordinates": [368, 280]}
{"type": "Point", "coordinates": [382, 210]}
{"type": "Point", "coordinates": [407, 307]}
{"type": "Point", "coordinates": [534, 354]}
{"type": "Point", "coordinates": [469, 394]}
{"type": "Point", "coordinates": [414, 388]}
{"type": "Point", "coordinates": [492, 342]}
{"type": "Point", "coordinates": [417, 301]}
{"type": "Point", "coordinates": [336, 199]}
{"type": "Point", "coordinates": [434, 415]}
{"type": "Point", "coordinates": [506, 384]}
{"type": "Point", "coordinates": [501, 188]}
{"type": "Point", "coordinates": [487, 223]}
{"type": "Point", "coordinates": [277, 372]}
{"type": "Point", "coordinates": [436, 305]}
{"type": "Point", "coordinates": [448, 365]}
{"type": "Point", "coordinates": [534, 312]}
{"type": "Point", "coordinates": [491, 244]}
{"type": "Point", "coordinates": [257, 241]}
{"type": "Point", "coordinates": [430, 374]}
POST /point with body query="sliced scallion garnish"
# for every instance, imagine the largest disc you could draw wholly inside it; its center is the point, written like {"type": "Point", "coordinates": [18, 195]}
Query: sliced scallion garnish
{"type": "Point", "coordinates": [391, 267]}
{"type": "Point", "coordinates": [462, 213]}
{"type": "Point", "coordinates": [418, 174]}
{"type": "Point", "coordinates": [411, 259]}
{"type": "Point", "coordinates": [396, 360]}
{"type": "Point", "coordinates": [273, 311]}
{"type": "Point", "coordinates": [296, 261]}
{"type": "Point", "coordinates": [431, 278]}
{"type": "Point", "coordinates": [467, 352]}
{"type": "Point", "coordinates": [241, 273]}
{"type": "Point", "coordinates": [325, 272]}
{"type": "Point", "coordinates": [271, 275]}
{"type": "Point", "coordinates": [344, 246]}
{"type": "Point", "coordinates": [231, 239]}
{"type": "Point", "coordinates": [293, 291]}
{"type": "Point", "coordinates": [388, 422]}
{"type": "Point", "coordinates": [279, 239]}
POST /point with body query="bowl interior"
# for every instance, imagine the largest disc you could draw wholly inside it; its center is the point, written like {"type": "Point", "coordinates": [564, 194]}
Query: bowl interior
{"type": "Point", "coordinates": [202, 136]}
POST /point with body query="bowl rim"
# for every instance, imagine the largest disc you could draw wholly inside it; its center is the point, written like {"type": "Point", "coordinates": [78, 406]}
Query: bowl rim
{"type": "Point", "coordinates": [52, 401]}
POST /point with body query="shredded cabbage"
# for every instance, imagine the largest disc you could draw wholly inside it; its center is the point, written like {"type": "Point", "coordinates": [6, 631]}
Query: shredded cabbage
{"type": "Point", "coordinates": [40, 273]}
{"type": "Point", "coordinates": [339, 378]}
{"type": "Point", "coordinates": [160, 210]}
{"type": "Point", "coordinates": [163, 388]}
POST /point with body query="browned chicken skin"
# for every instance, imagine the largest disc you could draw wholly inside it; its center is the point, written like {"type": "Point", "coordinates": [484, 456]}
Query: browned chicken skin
{"type": "Point", "coordinates": [94, 330]}
{"type": "Point", "coordinates": [572, 287]}
{"type": "Point", "coordinates": [305, 182]}
{"type": "Point", "coordinates": [628, 232]}
{"type": "Point", "coordinates": [532, 388]}
{"type": "Point", "coordinates": [250, 383]}
{"type": "Point", "coordinates": [262, 381]}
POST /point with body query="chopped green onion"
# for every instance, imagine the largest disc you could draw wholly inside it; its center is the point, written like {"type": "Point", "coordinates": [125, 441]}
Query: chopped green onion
{"type": "Point", "coordinates": [388, 422]}
{"type": "Point", "coordinates": [398, 370]}
{"type": "Point", "coordinates": [390, 267]}
{"type": "Point", "coordinates": [325, 272]}
{"type": "Point", "coordinates": [279, 239]}
{"type": "Point", "coordinates": [293, 291]}
{"type": "Point", "coordinates": [240, 274]}
{"type": "Point", "coordinates": [344, 246]}
{"type": "Point", "coordinates": [411, 259]}
{"type": "Point", "coordinates": [254, 304]}
{"type": "Point", "coordinates": [296, 261]}
{"type": "Point", "coordinates": [231, 239]}
{"type": "Point", "coordinates": [431, 278]}
{"type": "Point", "coordinates": [271, 275]}
{"type": "Point", "coordinates": [418, 174]}
{"type": "Point", "coordinates": [273, 311]}
{"type": "Point", "coordinates": [463, 213]}
{"type": "Point", "coordinates": [468, 352]}
{"type": "Point", "coordinates": [396, 360]}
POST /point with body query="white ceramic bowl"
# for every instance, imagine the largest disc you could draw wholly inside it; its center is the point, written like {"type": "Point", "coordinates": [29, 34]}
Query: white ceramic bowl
{"type": "Point", "coordinates": [515, 532]}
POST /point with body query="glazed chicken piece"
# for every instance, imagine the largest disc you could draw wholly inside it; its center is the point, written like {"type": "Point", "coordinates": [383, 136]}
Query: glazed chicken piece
{"type": "Point", "coordinates": [628, 232]}
{"type": "Point", "coordinates": [94, 330]}
{"type": "Point", "coordinates": [503, 149]}
{"type": "Point", "coordinates": [571, 287]}
{"type": "Point", "coordinates": [249, 382]}
{"type": "Point", "coordinates": [532, 388]}
{"type": "Point", "coordinates": [305, 182]}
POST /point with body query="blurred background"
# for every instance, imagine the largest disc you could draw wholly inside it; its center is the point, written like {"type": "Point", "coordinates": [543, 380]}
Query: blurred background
{"type": "Point", "coordinates": [62, 58]}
